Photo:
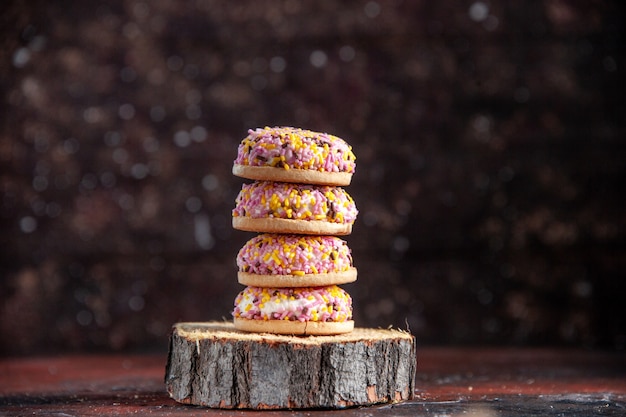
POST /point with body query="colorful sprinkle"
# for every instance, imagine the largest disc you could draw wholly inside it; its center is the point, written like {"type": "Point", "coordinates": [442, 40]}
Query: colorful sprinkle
{"type": "Point", "coordinates": [302, 304]}
{"type": "Point", "coordinates": [278, 254]}
{"type": "Point", "coordinates": [262, 199]}
{"type": "Point", "coordinates": [288, 147]}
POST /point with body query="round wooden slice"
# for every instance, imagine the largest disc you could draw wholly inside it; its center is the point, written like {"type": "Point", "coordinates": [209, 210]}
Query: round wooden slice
{"type": "Point", "coordinates": [214, 365]}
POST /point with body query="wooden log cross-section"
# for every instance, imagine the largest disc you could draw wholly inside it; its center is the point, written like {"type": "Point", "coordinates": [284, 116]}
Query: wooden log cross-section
{"type": "Point", "coordinates": [214, 365]}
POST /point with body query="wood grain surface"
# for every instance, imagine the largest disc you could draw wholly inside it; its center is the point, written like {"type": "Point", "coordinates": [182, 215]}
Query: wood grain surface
{"type": "Point", "coordinates": [214, 365]}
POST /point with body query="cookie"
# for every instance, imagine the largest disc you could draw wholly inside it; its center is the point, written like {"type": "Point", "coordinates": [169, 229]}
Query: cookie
{"type": "Point", "coordinates": [278, 260]}
{"type": "Point", "coordinates": [277, 207]}
{"type": "Point", "coordinates": [310, 310]}
{"type": "Point", "coordinates": [289, 154]}
{"type": "Point", "coordinates": [301, 328]}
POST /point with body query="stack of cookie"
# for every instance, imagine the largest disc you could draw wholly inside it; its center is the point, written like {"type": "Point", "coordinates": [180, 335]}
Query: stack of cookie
{"type": "Point", "coordinates": [292, 269]}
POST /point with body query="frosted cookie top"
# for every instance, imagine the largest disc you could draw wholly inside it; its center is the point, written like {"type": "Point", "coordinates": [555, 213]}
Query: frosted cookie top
{"type": "Point", "coordinates": [290, 147]}
{"type": "Point", "coordinates": [266, 199]}
{"type": "Point", "coordinates": [324, 304]}
{"type": "Point", "coordinates": [294, 155]}
{"type": "Point", "coordinates": [280, 254]}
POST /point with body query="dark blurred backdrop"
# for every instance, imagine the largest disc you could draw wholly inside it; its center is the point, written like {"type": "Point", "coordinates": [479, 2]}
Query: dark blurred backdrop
{"type": "Point", "coordinates": [490, 142]}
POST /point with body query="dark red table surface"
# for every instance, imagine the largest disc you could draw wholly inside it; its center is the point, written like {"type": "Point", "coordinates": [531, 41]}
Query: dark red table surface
{"type": "Point", "coordinates": [450, 382]}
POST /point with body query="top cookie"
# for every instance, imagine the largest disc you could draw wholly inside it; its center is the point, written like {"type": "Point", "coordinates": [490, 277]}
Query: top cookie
{"type": "Point", "coordinates": [289, 154]}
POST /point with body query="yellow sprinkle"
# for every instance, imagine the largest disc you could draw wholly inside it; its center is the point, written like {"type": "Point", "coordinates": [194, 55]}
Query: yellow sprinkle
{"type": "Point", "coordinates": [299, 273]}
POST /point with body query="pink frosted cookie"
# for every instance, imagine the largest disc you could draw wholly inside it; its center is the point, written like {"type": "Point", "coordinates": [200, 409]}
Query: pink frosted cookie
{"type": "Point", "coordinates": [277, 207]}
{"type": "Point", "coordinates": [311, 310]}
{"type": "Point", "coordinates": [289, 154]}
{"type": "Point", "coordinates": [278, 260]}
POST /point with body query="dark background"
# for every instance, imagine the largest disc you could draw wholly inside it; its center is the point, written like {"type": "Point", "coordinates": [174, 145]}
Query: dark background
{"type": "Point", "coordinates": [490, 143]}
